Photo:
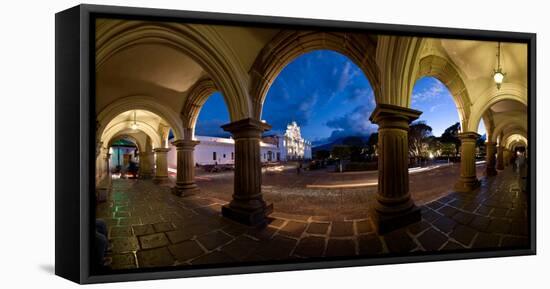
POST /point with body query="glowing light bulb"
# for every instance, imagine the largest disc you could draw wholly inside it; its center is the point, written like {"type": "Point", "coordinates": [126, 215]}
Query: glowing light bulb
{"type": "Point", "coordinates": [498, 77]}
{"type": "Point", "coordinates": [134, 126]}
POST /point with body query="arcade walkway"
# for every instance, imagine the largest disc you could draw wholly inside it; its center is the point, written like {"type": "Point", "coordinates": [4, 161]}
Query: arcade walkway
{"type": "Point", "coordinates": [149, 227]}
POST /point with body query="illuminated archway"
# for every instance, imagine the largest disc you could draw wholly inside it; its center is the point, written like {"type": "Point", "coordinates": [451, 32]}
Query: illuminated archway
{"type": "Point", "coordinates": [288, 45]}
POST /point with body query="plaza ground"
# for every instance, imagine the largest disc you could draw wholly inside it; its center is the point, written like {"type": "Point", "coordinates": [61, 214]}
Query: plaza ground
{"type": "Point", "coordinates": [333, 195]}
{"type": "Point", "coordinates": [151, 227]}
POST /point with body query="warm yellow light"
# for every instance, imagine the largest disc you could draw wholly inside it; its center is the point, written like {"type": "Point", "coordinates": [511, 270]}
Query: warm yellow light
{"type": "Point", "coordinates": [498, 77]}
{"type": "Point", "coordinates": [134, 126]}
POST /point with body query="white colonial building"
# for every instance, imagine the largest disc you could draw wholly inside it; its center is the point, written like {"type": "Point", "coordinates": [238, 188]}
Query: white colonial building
{"type": "Point", "coordinates": [291, 145]}
{"type": "Point", "coordinates": [218, 150]}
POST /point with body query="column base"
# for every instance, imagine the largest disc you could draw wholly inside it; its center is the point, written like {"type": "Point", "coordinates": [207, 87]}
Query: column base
{"type": "Point", "coordinates": [387, 222]}
{"type": "Point", "coordinates": [145, 176]}
{"type": "Point", "coordinates": [256, 217]}
{"type": "Point", "coordinates": [490, 172]}
{"type": "Point", "coordinates": [183, 190]}
{"type": "Point", "coordinates": [102, 193]}
{"type": "Point", "coordinates": [160, 180]}
{"type": "Point", "coordinates": [467, 184]}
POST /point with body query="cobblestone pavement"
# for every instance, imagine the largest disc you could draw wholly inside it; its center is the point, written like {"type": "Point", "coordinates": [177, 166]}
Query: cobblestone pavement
{"type": "Point", "coordinates": [150, 227]}
{"type": "Point", "coordinates": [290, 192]}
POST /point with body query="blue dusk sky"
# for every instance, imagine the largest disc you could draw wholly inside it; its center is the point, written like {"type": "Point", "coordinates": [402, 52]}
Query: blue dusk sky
{"type": "Point", "coordinates": [330, 97]}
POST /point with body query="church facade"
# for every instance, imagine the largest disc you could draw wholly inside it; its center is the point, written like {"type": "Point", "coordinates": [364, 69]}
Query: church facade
{"type": "Point", "coordinates": [289, 146]}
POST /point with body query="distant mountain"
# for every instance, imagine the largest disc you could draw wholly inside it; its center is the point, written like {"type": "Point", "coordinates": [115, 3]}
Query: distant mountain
{"type": "Point", "coordinates": [338, 141]}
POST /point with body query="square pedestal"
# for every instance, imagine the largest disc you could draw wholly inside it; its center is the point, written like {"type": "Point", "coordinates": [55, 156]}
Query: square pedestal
{"type": "Point", "coordinates": [388, 222]}
{"type": "Point", "coordinates": [256, 218]}
{"type": "Point", "coordinates": [467, 185]}
{"type": "Point", "coordinates": [185, 190]}
{"type": "Point", "coordinates": [160, 180]}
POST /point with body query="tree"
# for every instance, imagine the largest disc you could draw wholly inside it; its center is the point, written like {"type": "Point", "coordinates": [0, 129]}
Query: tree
{"type": "Point", "coordinates": [434, 146]}
{"type": "Point", "coordinates": [480, 145]}
{"type": "Point", "coordinates": [419, 136]}
{"type": "Point", "coordinates": [372, 144]}
{"type": "Point", "coordinates": [356, 145]}
{"type": "Point", "coordinates": [322, 154]}
{"type": "Point", "coordinates": [448, 149]}
{"type": "Point", "coordinates": [450, 135]}
{"type": "Point", "coordinates": [340, 152]}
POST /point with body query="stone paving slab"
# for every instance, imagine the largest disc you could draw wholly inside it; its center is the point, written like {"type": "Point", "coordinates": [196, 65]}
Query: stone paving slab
{"type": "Point", "coordinates": [150, 227]}
{"type": "Point", "coordinates": [310, 246]}
{"type": "Point", "coordinates": [318, 228]}
{"type": "Point", "coordinates": [153, 241]}
{"type": "Point", "coordinates": [186, 250]}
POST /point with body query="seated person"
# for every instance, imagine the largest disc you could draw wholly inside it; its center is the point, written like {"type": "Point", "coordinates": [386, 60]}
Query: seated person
{"type": "Point", "coordinates": [101, 244]}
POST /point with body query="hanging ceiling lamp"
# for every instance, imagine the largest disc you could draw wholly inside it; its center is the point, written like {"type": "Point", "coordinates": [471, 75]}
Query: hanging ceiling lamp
{"type": "Point", "coordinates": [134, 125]}
{"type": "Point", "coordinates": [498, 75]}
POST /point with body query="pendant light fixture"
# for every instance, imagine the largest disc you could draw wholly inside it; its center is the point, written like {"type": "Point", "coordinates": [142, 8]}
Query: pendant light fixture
{"type": "Point", "coordinates": [135, 125]}
{"type": "Point", "coordinates": [498, 75]}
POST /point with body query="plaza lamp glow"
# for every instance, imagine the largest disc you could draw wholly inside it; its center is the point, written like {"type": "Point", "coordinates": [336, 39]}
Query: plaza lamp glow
{"type": "Point", "coordinates": [134, 125]}
{"type": "Point", "coordinates": [498, 75]}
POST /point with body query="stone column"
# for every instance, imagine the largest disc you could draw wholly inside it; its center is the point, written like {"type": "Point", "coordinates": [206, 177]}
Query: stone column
{"type": "Point", "coordinates": [506, 157]}
{"type": "Point", "coordinates": [161, 173]}
{"type": "Point", "coordinates": [185, 178]}
{"type": "Point", "coordinates": [248, 206]}
{"type": "Point", "coordinates": [394, 207]}
{"type": "Point", "coordinates": [145, 168]}
{"type": "Point", "coordinates": [104, 186]}
{"type": "Point", "coordinates": [108, 177]}
{"type": "Point", "coordinates": [500, 158]}
{"type": "Point", "coordinates": [468, 180]}
{"type": "Point", "coordinates": [490, 149]}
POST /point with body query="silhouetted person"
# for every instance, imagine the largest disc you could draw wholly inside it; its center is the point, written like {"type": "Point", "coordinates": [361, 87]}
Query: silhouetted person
{"type": "Point", "coordinates": [102, 244]}
{"type": "Point", "coordinates": [133, 169]}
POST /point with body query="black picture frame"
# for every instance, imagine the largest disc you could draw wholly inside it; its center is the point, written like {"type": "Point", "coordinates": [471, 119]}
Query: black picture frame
{"type": "Point", "coordinates": [75, 137]}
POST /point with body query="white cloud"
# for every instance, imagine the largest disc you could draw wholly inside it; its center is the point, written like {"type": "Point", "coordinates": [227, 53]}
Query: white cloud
{"type": "Point", "coordinates": [427, 95]}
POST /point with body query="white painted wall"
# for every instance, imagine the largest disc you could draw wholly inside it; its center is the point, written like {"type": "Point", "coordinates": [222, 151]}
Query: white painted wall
{"type": "Point", "coordinates": [224, 149]}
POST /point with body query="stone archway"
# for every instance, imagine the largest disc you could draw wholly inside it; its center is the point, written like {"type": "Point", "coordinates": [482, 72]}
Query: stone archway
{"type": "Point", "coordinates": [203, 45]}
{"type": "Point", "coordinates": [146, 103]}
{"type": "Point", "coordinates": [507, 91]}
{"type": "Point", "coordinates": [114, 130]}
{"type": "Point", "coordinates": [197, 96]}
{"type": "Point", "coordinates": [450, 75]}
{"type": "Point", "coordinates": [124, 135]}
{"type": "Point", "coordinates": [511, 124]}
{"type": "Point", "coordinates": [288, 45]}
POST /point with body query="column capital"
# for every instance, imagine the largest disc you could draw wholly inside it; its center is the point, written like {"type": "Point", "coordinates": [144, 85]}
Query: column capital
{"type": "Point", "coordinates": [387, 115]}
{"type": "Point", "coordinates": [161, 150]}
{"type": "Point", "coordinates": [185, 144]}
{"type": "Point", "coordinates": [246, 128]}
{"type": "Point", "coordinates": [468, 136]}
{"type": "Point", "coordinates": [491, 143]}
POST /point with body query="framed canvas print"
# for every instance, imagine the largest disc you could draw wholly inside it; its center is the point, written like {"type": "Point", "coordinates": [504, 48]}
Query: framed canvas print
{"type": "Point", "coordinates": [193, 144]}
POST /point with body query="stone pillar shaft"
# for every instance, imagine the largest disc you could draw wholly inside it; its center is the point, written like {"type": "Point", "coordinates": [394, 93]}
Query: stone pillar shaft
{"type": "Point", "coordinates": [490, 149]}
{"type": "Point", "coordinates": [506, 156]}
{"type": "Point", "coordinates": [161, 173]}
{"type": "Point", "coordinates": [108, 169]}
{"type": "Point", "coordinates": [185, 178]}
{"type": "Point", "coordinates": [395, 207]}
{"type": "Point", "coordinates": [500, 158]}
{"type": "Point", "coordinates": [145, 168]}
{"type": "Point", "coordinates": [468, 180]}
{"type": "Point", "coordinates": [248, 205]}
